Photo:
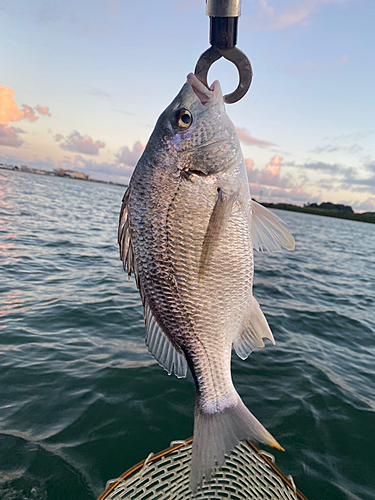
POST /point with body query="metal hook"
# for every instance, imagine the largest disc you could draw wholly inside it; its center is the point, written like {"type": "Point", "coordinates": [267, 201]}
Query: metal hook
{"type": "Point", "coordinates": [224, 16]}
{"type": "Point", "coordinates": [238, 58]}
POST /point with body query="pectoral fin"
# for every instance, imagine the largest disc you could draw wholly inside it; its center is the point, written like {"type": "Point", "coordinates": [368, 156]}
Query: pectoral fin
{"type": "Point", "coordinates": [254, 330]}
{"type": "Point", "coordinates": [216, 227]}
{"type": "Point", "coordinates": [267, 230]}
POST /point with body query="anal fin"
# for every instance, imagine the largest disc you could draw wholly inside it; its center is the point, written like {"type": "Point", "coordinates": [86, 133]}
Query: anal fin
{"type": "Point", "coordinates": [255, 329]}
{"type": "Point", "coordinates": [161, 347]}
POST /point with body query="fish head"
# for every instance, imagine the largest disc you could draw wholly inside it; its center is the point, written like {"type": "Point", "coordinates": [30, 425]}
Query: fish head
{"type": "Point", "coordinates": [196, 130]}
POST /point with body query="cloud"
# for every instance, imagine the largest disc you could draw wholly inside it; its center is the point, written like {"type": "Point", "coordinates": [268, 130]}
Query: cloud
{"type": "Point", "coordinates": [365, 206]}
{"type": "Point", "coordinates": [370, 167]}
{"type": "Point", "coordinates": [246, 138]}
{"type": "Point", "coordinates": [268, 184]}
{"type": "Point", "coordinates": [58, 137]}
{"type": "Point", "coordinates": [105, 167]}
{"type": "Point", "coordinates": [9, 111]}
{"type": "Point", "coordinates": [341, 177]}
{"type": "Point", "coordinates": [249, 164]}
{"type": "Point", "coordinates": [274, 166]}
{"type": "Point", "coordinates": [332, 148]}
{"type": "Point", "coordinates": [310, 65]}
{"type": "Point", "coordinates": [355, 183]}
{"type": "Point", "coordinates": [80, 143]}
{"type": "Point", "coordinates": [323, 167]}
{"type": "Point", "coordinates": [9, 136]}
{"type": "Point", "coordinates": [297, 12]}
{"type": "Point", "coordinates": [43, 110]}
{"type": "Point", "coordinates": [29, 113]}
{"type": "Point", "coordinates": [270, 175]}
{"type": "Point", "coordinates": [129, 156]}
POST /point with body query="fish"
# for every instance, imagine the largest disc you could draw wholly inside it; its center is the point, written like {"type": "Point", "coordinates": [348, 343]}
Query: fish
{"type": "Point", "coordinates": [187, 230]}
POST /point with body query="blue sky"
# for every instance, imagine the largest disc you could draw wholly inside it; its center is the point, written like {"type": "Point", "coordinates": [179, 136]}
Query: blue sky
{"type": "Point", "coordinates": [82, 84]}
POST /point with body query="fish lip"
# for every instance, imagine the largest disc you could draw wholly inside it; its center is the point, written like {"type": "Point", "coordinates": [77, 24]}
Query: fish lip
{"type": "Point", "coordinates": [204, 94]}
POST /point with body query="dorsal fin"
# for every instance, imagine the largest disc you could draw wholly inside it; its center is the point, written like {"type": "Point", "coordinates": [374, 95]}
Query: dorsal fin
{"type": "Point", "coordinates": [267, 230]}
{"type": "Point", "coordinates": [254, 330]}
{"type": "Point", "coordinates": [123, 238]}
{"type": "Point", "coordinates": [161, 348]}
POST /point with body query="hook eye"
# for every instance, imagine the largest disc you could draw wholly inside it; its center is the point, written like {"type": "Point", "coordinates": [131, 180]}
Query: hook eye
{"type": "Point", "coordinates": [238, 58]}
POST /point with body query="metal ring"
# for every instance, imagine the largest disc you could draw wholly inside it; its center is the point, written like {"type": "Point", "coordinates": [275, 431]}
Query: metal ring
{"type": "Point", "coordinates": [238, 58]}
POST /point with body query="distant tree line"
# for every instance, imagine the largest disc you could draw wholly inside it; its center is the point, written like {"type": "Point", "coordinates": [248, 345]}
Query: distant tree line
{"type": "Point", "coordinates": [326, 209]}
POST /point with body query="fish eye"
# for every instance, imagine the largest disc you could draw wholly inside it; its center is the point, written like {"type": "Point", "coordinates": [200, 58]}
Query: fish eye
{"type": "Point", "coordinates": [183, 118]}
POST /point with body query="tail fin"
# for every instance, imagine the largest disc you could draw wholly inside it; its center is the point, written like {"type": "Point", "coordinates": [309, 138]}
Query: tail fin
{"type": "Point", "coordinates": [216, 434]}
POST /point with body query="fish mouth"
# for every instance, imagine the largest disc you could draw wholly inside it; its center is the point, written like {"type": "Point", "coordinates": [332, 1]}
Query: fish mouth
{"type": "Point", "coordinates": [204, 94]}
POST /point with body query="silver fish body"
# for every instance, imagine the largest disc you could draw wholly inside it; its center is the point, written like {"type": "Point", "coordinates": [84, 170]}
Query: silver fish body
{"type": "Point", "coordinates": [187, 230]}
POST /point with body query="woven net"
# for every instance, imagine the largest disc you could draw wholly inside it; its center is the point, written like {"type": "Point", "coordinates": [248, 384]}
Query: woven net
{"type": "Point", "coordinates": [246, 474]}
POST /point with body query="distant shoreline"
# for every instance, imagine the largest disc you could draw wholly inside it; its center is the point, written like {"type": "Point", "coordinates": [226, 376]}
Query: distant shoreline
{"type": "Point", "coordinates": [333, 211]}
{"type": "Point", "coordinates": [70, 174]}
{"type": "Point", "coordinates": [336, 211]}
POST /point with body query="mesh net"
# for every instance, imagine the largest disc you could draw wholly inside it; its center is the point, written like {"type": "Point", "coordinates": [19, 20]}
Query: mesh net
{"type": "Point", "coordinates": [244, 475]}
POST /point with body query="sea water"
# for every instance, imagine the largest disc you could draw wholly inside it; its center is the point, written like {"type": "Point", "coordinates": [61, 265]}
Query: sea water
{"type": "Point", "coordinates": [82, 400]}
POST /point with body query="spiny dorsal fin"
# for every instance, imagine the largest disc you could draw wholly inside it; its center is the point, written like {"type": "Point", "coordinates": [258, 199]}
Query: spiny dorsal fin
{"type": "Point", "coordinates": [127, 256]}
{"type": "Point", "coordinates": [161, 348]}
{"type": "Point", "coordinates": [255, 329]}
{"type": "Point", "coordinates": [216, 227]}
{"type": "Point", "coordinates": [123, 238]}
{"type": "Point", "coordinates": [267, 230]}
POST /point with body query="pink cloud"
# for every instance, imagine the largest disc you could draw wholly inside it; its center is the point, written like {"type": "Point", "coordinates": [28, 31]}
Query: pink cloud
{"type": "Point", "coordinates": [9, 136]}
{"type": "Point", "coordinates": [268, 184]}
{"type": "Point", "coordinates": [43, 110]}
{"type": "Point", "coordinates": [81, 143]}
{"type": "Point", "coordinates": [9, 111]}
{"type": "Point", "coordinates": [274, 166]}
{"type": "Point", "coordinates": [29, 113]}
{"type": "Point", "coordinates": [129, 156]}
{"type": "Point", "coordinates": [270, 175]}
{"type": "Point", "coordinates": [249, 164]}
{"type": "Point", "coordinates": [245, 137]}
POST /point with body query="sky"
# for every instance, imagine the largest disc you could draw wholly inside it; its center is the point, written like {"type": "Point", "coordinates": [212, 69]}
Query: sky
{"type": "Point", "coordinates": [83, 83]}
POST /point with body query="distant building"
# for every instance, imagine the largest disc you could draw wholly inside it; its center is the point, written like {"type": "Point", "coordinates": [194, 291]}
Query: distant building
{"type": "Point", "coordinates": [61, 172]}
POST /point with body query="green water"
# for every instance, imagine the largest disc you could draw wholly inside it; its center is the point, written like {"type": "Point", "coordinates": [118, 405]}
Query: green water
{"type": "Point", "coordinates": [81, 400]}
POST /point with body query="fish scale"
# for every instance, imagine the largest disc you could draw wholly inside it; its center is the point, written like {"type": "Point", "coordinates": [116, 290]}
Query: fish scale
{"type": "Point", "coordinates": [214, 303]}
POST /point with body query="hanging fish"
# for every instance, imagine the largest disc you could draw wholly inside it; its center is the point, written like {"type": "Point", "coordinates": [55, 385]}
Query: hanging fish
{"type": "Point", "coordinates": [187, 230]}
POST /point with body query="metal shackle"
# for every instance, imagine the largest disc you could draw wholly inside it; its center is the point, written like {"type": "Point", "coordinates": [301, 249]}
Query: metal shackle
{"type": "Point", "coordinates": [224, 16]}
